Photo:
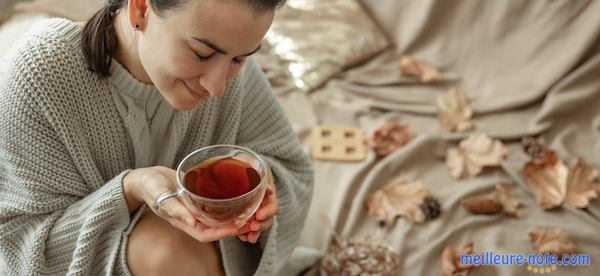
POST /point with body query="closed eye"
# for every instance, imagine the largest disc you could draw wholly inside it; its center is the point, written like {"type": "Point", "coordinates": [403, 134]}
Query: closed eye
{"type": "Point", "coordinates": [206, 58]}
{"type": "Point", "coordinates": [202, 58]}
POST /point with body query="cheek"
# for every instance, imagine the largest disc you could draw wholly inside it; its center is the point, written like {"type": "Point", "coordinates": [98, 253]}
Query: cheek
{"type": "Point", "coordinates": [179, 64]}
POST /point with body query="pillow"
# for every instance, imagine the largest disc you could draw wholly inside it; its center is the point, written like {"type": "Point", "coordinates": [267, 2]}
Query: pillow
{"type": "Point", "coordinates": [317, 39]}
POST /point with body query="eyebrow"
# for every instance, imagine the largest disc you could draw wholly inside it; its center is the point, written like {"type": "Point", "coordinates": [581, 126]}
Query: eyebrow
{"type": "Point", "coordinates": [219, 49]}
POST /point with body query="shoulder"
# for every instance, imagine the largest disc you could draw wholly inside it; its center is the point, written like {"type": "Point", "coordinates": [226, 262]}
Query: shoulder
{"type": "Point", "coordinates": [46, 59]}
{"type": "Point", "coordinates": [50, 38]}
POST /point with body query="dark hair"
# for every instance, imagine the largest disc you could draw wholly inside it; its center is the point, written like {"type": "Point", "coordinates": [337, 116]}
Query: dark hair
{"type": "Point", "coordinates": [99, 39]}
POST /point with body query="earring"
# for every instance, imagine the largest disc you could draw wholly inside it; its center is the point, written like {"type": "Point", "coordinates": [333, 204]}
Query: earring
{"type": "Point", "coordinates": [136, 27]}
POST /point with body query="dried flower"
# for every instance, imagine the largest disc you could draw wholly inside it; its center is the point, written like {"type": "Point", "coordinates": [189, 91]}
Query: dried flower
{"type": "Point", "coordinates": [352, 257]}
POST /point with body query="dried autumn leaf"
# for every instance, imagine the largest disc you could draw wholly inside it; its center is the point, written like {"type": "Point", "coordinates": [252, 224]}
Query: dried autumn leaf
{"type": "Point", "coordinates": [413, 67]}
{"type": "Point", "coordinates": [552, 241]}
{"type": "Point", "coordinates": [389, 137]}
{"type": "Point", "coordinates": [580, 186]}
{"type": "Point", "coordinates": [352, 257]}
{"type": "Point", "coordinates": [508, 199]}
{"type": "Point", "coordinates": [398, 199]}
{"type": "Point", "coordinates": [454, 111]}
{"type": "Point", "coordinates": [451, 265]}
{"type": "Point", "coordinates": [474, 153]}
{"type": "Point", "coordinates": [547, 180]}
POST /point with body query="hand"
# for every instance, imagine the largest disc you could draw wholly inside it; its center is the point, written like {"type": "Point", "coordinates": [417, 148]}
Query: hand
{"type": "Point", "coordinates": [263, 218]}
{"type": "Point", "coordinates": [146, 184]}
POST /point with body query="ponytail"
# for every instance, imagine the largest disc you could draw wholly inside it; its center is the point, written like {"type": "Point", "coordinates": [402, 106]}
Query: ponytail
{"type": "Point", "coordinates": [99, 39]}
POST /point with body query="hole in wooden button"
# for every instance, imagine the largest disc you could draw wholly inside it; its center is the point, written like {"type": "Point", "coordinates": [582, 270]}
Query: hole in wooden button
{"type": "Point", "coordinates": [350, 150]}
{"type": "Point", "coordinates": [326, 148]}
{"type": "Point", "coordinates": [326, 133]}
{"type": "Point", "coordinates": [349, 134]}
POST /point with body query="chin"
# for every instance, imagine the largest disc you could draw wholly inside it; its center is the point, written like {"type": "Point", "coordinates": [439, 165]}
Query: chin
{"type": "Point", "coordinates": [183, 105]}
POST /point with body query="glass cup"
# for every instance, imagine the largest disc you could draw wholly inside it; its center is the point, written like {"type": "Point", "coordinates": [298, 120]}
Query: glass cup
{"type": "Point", "coordinates": [229, 212]}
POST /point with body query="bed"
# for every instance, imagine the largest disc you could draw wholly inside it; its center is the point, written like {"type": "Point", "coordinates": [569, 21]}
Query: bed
{"type": "Point", "coordinates": [529, 68]}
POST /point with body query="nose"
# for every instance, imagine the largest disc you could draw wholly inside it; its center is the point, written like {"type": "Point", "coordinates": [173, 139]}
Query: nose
{"type": "Point", "coordinates": [214, 79]}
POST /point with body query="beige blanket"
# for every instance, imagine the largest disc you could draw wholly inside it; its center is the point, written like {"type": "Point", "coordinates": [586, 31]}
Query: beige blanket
{"type": "Point", "coordinates": [529, 68]}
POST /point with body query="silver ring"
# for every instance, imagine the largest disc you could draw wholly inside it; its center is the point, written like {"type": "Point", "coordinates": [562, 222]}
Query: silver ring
{"type": "Point", "coordinates": [162, 197]}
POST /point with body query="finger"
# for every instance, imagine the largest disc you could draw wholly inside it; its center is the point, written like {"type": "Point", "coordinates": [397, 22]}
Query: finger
{"type": "Point", "coordinates": [266, 211]}
{"type": "Point", "coordinates": [243, 237]}
{"type": "Point", "coordinates": [255, 225]}
{"type": "Point", "coordinates": [253, 237]}
{"type": "Point", "coordinates": [174, 209]}
{"type": "Point", "coordinates": [263, 225]}
{"type": "Point", "coordinates": [244, 229]}
{"type": "Point", "coordinates": [268, 198]}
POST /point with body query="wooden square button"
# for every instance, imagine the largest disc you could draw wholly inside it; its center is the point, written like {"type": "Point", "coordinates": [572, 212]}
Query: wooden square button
{"type": "Point", "coordinates": [338, 143]}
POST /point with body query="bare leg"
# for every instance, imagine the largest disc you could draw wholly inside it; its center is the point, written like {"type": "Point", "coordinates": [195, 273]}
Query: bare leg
{"type": "Point", "coordinates": [157, 248]}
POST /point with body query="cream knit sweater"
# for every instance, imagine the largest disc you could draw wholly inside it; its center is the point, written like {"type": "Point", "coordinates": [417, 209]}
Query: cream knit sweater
{"type": "Point", "coordinates": [67, 138]}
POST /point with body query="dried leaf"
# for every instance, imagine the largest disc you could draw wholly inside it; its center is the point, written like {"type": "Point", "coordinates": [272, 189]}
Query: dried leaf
{"type": "Point", "coordinates": [482, 204]}
{"type": "Point", "coordinates": [549, 179]}
{"type": "Point", "coordinates": [451, 265]}
{"type": "Point", "coordinates": [389, 137]}
{"type": "Point", "coordinates": [474, 153]}
{"type": "Point", "coordinates": [398, 199]}
{"type": "Point", "coordinates": [552, 241]}
{"type": "Point", "coordinates": [454, 111]}
{"type": "Point", "coordinates": [410, 66]}
{"type": "Point", "coordinates": [351, 257]}
{"type": "Point", "coordinates": [580, 186]}
{"type": "Point", "coordinates": [508, 199]}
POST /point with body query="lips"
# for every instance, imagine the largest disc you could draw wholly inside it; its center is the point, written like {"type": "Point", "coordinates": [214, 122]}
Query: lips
{"type": "Point", "coordinates": [197, 95]}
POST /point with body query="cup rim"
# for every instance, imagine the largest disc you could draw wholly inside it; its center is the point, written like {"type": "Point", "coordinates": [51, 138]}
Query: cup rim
{"type": "Point", "coordinates": [263, 176]}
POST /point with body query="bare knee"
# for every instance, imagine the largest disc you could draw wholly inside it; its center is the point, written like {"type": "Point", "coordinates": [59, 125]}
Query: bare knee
{"type": "Point", "coordinates": [157, 248]}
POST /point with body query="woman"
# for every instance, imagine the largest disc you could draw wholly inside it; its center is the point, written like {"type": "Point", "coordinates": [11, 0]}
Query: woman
{"type": "Point", "coordinates": [94, 118]}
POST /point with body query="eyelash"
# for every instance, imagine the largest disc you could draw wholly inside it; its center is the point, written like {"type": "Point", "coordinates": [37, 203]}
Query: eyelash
{"type": "Point", "coordinates": [204, 59]}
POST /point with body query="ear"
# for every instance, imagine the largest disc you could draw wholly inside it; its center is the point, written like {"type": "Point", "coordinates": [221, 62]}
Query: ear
{"type": "Point", "coordinates": [136, 10]}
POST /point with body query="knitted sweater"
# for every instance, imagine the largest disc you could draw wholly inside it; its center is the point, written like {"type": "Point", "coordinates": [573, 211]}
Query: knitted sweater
{"type": "Point", "coordinates": [65, 147]}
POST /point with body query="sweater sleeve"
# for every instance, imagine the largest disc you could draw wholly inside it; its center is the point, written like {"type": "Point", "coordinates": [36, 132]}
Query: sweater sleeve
{"type": "Point", "coordinates": [265, 129]}
{"type": "Point", "coordinates": [52, 221]}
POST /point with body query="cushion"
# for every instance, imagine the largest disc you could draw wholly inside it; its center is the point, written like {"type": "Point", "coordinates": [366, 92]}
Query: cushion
{"type": "Point", "coordinates": [317, 39]}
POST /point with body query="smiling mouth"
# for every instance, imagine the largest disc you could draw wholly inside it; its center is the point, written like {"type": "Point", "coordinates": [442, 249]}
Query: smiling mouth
{"type": "Point", "coordinates": [197, 95]}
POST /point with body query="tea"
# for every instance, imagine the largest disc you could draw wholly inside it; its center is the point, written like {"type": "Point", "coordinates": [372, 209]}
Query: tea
{"type": "Point", "coordinates": [222, 178]}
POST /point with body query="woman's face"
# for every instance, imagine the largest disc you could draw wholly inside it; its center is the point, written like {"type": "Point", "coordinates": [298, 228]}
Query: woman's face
{"type": "Point", "coordinates": [192, 51]}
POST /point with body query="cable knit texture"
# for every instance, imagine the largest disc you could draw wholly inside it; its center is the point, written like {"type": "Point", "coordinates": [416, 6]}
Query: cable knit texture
{"type": "Point", "coordinates": [65, 146]}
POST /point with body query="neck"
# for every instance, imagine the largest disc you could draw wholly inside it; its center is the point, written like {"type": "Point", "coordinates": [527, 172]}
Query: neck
{"type": "Point", "coordinates": [127, 51]}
